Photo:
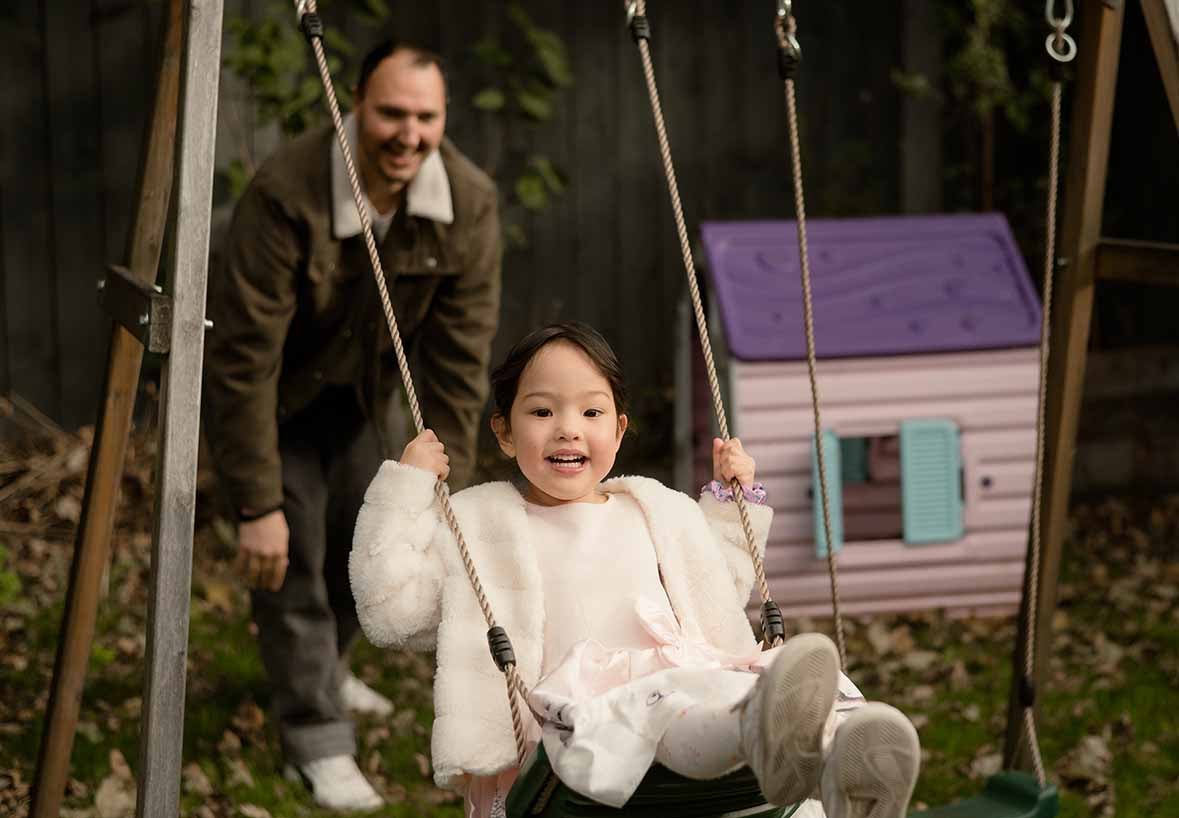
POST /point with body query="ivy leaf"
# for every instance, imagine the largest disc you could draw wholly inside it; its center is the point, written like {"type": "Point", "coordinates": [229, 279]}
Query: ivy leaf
{"type": "Point", "coordinates": [492, 53]}
{"type": "Point", "coordinates": [378, 8]}
{"type": "Point", "coordinates": [554, 59]}
{"type": "Point", "coordinates": [238, 177]}
{"type": "Point", "coordinates": [531, 192]}
{"type": "Point", "coordinates": [337, 43]}
{"type": "Point", "coordinates": [489, 99]}
{"type": "Point", "coordinates": [535, 103]}
{"type": "Point", "coordinates": [548, 173]}
{"type": "Point", "coordinates": [516, 237]}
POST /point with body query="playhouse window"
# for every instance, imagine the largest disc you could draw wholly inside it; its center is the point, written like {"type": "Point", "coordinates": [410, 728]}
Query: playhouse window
{"type": "Point", "coordinates": [892, 487]}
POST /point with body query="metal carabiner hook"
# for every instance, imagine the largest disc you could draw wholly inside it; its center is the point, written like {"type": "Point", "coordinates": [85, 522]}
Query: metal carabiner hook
{"type": "Point", "coordinates": [784, 8]}
{"type": "Point", "coordinates": [1060, 23]}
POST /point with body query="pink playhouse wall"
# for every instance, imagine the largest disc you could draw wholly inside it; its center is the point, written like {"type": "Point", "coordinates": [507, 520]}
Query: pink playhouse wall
{"type": "Point", "coordinates": [990, 395]}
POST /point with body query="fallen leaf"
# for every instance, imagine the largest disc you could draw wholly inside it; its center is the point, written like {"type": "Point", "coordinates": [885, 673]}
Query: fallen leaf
{"type": "Point", "coordinates": [375, 736]}
{"type": "Point", "coordinates": [403, 722]}
{"type": "Point", "coordinates": [249, 718]}
{"type": "Point", "coordinates": [959, 678]}
{"type": "Point", "coordinates": [67, 507]}
{"type": "Point", "coordinates": [238, 774]}
{"type": "Point", "coordinates": [195, 780]}
{"type": "Point", "coordinates": [220, 595]}
{"type": "Point", "coordinates": [115, 797]}
{"type": "Point", "coordinates": [1088, 763]}
{"type": "Point", "coordinates": [119, 766]}
{"type": "Point", "coordinates": [986, 765]}
{"type": "Point", "coordinates": [920, 660]}
{"type": "Point", "coordinates": [423, 764]}
{"type": "Point", "coordinates": [879, 638]}
{"type": "Point", "coordinates": [89, 730]}
{"type": "Point", "coordinates": [229, 744]}
{"type": "Point", "coordinates": [922, 693]}
{"type": "Point", "coordinates": [971, 712]}
{"type": "Point", "coordinates": [253, 811]}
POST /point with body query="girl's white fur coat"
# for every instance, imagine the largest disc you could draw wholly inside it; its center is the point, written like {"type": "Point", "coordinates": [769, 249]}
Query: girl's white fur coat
{"type": "Point", "coordinates": [412, 591]}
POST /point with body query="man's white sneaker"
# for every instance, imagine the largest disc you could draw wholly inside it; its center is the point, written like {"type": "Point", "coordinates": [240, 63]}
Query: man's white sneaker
{"type": "Point", "coordinates": [785, 715]}
{"type": "Point", "coordinates": [337, 783]}
{"type": "Point", "coordinates": [873, 765]}
{"type": "Point", "coordinates": [360, 698]}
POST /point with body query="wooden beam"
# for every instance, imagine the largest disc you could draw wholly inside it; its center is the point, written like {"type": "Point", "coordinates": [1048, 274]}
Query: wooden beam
{"type": "Point", "coordinates": [1143, 262]}
{"type": "Point", "coordinates": [161, 731]}
{"type": "Point", "coordinates": [1084, 194]}
{"type": "Point", "coordinates": [1164, 36]}
{"type": "Point", "coordinates": [107, 454]}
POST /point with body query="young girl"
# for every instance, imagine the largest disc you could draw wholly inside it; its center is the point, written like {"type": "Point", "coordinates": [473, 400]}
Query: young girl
{"type": "Point", "coordinates": [625, 602]}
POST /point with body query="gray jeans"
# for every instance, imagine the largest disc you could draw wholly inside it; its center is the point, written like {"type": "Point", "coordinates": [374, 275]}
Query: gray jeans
{"type": "Point", "coordinates": [330, 453]}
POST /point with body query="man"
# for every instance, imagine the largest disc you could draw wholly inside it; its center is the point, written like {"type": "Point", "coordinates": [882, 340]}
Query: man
{"type": "Point", "coordinates": [301, 378]}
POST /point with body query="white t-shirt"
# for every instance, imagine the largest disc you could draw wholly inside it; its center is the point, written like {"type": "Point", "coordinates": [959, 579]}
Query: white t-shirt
{"type": "Point", "coordinates": [596, 560]}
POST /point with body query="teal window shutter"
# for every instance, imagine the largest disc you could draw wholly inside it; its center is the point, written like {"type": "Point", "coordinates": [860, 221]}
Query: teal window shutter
{"type": "Point", "coordinates": [931, 497]}
{"type": "Point", "coordinates": [834, 494]}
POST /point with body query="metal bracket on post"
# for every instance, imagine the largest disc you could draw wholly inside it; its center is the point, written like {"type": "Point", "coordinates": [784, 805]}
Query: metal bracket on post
{"type": "Point", "coordinates": [142, 309]}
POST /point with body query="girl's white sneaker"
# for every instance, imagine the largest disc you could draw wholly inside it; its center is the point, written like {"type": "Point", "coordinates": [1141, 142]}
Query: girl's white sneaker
{"type": "Point", "coordinates": [337, 783]}
{"type": "Point", "coordinates": [873, 765]}
{"type": "Point", "coordinates": [784, 717]}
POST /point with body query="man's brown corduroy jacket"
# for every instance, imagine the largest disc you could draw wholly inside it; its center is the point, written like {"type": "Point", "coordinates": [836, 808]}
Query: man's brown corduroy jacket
{"type": "Point", "coordinates": [295, 309]}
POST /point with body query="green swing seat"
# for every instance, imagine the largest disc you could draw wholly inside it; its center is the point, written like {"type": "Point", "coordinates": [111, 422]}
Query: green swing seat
{"type": "Point", "coordinates": [1006, 795]}
{"type": "Point", "coordinates": [662, 794]}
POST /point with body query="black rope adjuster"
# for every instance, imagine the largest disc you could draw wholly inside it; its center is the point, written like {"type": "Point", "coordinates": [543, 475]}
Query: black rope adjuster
{"type": "Point", "coordinates": [1027, 691]}
{"type": "Point", "coordinates": [773, 627]}
{"type": "Point", "coordinates": [640, 27]}
{"type": "Point", "coordinates": [788, 59]}
{"type": "Point", "coordinates": [501, 648]}
{"type": "Point", "coordinates": [312, 26]}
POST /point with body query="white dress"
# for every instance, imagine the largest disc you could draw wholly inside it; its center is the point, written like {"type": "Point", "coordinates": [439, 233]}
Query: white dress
{"type": "Point", "coordinates": [619, 666]}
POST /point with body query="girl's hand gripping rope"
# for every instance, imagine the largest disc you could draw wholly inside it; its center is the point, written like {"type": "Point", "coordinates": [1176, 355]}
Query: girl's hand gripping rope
{"type": "Point", "coordinates": [730, 461]}
{"type": "Point", "coordinates": [427, 452]}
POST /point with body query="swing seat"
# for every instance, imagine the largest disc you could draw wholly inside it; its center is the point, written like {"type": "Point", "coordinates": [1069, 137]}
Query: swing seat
{"type": "Point", "coordinates": [1006, 795]}
{"type": "Point", "coordinates": [662, 793]}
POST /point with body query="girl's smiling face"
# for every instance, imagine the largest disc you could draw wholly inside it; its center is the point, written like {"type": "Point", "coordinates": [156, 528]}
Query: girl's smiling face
{"type": "Point", "coordinates": [565, 430]}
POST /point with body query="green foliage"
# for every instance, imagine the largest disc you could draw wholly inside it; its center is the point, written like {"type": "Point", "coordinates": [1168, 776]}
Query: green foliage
{"type": "Point", "coordinates": [271, 55]}
{"type": "Point", "coordinates": [529, 67]}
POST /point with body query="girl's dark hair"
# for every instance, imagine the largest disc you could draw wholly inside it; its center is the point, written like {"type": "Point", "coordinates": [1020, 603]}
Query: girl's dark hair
{"type": "Point", "coordinates": [383, 50]}
{"type": "Point", "coordinates": [505, 380]}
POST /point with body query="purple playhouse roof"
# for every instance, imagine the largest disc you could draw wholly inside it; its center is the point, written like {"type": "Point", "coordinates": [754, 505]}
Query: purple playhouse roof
{"type": "Point", "coordinates": [881, 286]}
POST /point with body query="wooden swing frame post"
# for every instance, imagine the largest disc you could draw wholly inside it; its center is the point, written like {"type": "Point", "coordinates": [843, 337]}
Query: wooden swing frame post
{"type": "Point", "coordinates": [1084, 258]}
{"type": "Point", "coordinates": [192, 36]}
{"type": "Point", "coordinates": [162, 730]}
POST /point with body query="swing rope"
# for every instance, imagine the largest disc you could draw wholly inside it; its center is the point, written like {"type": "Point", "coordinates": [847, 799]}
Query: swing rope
{"type": "Point", "coordinates": [1061, 48]}
{"type": "Point", "coordinates": [773, 627]}
{"type": "Point", "coordinates": [501, 647]}
{"type": "Point", "coordinates": [789, 56]}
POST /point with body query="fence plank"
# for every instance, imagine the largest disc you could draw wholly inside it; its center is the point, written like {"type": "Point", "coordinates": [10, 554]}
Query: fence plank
{"type": "Point", "coordinates": [75, 183]}
{"type": "Point", "coordinates": [25, 205]}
